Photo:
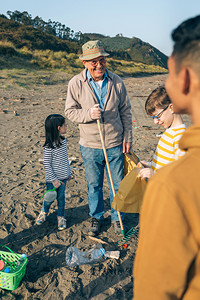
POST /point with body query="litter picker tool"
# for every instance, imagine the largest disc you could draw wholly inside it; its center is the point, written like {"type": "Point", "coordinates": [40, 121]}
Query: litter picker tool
{"type": "Point", "coordinates": [109, 173]}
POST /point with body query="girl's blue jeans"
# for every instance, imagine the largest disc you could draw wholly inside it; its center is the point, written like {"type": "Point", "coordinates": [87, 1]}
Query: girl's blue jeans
{"type": "Point", "coordinates": [94, 162]}
{"type": "Point", "coordinates": [60, 198]}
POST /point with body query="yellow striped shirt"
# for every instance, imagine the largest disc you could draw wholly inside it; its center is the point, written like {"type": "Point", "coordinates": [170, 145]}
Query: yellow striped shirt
{"type": "Point", "coordinates": [167, 149]}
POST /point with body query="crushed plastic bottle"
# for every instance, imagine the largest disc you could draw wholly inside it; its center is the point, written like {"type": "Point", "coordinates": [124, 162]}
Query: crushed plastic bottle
{"type": "Point", "coordinates": [76, 257]}
{"type": "Point", "coordinates": [21, 261]}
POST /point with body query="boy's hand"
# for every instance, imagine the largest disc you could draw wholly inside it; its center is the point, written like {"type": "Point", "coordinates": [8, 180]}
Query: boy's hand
{"type": "Point", "coordinates": [146, 173]}
{"type": "Point", "coordinates": [95, 112]}
{"type": "Point", "coordinates": [145, 163]}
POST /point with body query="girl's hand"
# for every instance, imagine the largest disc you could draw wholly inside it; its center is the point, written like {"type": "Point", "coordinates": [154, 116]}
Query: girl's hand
{"type": "Point", "coordinates": [56, 183]}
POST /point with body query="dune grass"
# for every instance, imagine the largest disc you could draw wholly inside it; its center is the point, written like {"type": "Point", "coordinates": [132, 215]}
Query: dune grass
{"type": "Point", "coordinates": [25, 67]}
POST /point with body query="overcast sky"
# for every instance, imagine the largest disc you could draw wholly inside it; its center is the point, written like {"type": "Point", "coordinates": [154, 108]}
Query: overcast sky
{"type": "Point", "coordinates": [150, 20]}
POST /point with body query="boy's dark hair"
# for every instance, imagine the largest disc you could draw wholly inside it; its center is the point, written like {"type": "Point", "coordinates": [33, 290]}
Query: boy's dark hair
{"type": "Point", "coordinates": [186, 49]}
{"type": "Point", "coordinates": [51, 130]}
{"type": "Point", "coordinates": [157, 99]}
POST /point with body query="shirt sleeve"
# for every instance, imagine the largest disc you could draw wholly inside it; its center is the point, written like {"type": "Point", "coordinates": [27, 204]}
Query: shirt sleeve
{"type": "Point", "coordinates": [73, 109]}
{"type": "Point", "coordinates": [178, 152]}
{"type": "Point", "coordinates": [166, 247]}
{"type": "Point", "coordinates": [48, 164]}
{"type": "Point", "coordinates": [125, 114]}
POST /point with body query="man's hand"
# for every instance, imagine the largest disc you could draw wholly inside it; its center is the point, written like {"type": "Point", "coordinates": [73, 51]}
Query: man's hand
{"type": "Point", "coordinates": [126, 147]}
{"type": "Point", "coordinates": [95, 112]}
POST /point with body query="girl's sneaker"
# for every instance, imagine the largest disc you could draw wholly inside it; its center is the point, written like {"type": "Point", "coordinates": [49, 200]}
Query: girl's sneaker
{"type": "Point", "coordinates": [41, 218]}
{"type": "Point", "coordinates": [61, 223]}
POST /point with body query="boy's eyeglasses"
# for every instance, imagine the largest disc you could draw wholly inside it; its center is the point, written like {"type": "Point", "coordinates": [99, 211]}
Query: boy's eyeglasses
{"type": "Point", "coordinates": [160, 113]}
{"type": "Point", "coordinates": [94, 63]}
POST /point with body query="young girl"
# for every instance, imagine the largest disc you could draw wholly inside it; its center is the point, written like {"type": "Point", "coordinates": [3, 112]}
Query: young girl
{"type": "Point", "coordinates": [56, 165]}
{"type": "Point", "coordinates": [159, 107]}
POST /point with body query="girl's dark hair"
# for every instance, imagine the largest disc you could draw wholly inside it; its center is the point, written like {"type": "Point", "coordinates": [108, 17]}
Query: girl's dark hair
{"type": "Point", "coordinates": [157, 99]}
{"type": "Point", "coordinates": [51, 130]}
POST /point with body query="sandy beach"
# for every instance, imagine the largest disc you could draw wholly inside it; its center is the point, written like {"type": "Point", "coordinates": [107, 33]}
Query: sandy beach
{"type": "Point", "coordinates": [22, 115]}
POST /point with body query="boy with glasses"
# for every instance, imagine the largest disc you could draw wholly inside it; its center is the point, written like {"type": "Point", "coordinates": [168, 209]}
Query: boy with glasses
{"type": "Point", "coordinates": [159, 107]}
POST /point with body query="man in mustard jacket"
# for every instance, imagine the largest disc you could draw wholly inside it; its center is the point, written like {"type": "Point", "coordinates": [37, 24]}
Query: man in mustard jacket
{"type": "Point", "coordinates": [167, 264]}
{"type": "Point", "coordinates": [96, 93]}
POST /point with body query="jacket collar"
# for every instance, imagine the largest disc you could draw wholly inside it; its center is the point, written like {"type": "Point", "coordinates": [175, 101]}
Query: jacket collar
{"type": "Point", "coordinates": [190, 138]}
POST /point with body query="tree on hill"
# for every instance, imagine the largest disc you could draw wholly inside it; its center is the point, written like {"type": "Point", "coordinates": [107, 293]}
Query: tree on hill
{"type": "Point", "coordinates": [55, 28]}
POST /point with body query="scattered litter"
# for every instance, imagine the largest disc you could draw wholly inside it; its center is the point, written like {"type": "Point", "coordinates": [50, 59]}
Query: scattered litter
{"type": "Point", "coordinates": [76, 257]}
{"type": "Point", "coordinates": [134, 121]}
{"type": "Point", "coordinates": [41, 159]}
{"type": "Point", "coordinates": [124, 246]}
{"type": "Point", "coordinates": [72, 159]}
{"type": "Point", "coordinates": [4, 111]}
{"type": "Point", "coordinates": [158, 135]}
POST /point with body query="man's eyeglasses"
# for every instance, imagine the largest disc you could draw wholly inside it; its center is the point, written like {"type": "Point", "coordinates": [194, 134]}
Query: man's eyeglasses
{"type": "Point", "coordinates": [160, 113]}
{"type": "Point", "coordinates": [94, 63]}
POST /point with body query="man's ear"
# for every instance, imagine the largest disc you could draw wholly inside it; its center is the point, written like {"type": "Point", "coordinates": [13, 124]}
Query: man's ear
{"type": "Point", "coordinates": [186, 81]}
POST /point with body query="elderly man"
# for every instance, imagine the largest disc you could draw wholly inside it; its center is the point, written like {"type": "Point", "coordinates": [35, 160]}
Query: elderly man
{"type": "Point", "coordinates": [96, 93]}
{"type": "Point", "coordinates": [167, 264]}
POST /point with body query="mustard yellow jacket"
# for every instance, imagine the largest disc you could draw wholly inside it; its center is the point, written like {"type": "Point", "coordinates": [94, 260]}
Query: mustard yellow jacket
{"type": "Point", "coordinates": [167, 264]}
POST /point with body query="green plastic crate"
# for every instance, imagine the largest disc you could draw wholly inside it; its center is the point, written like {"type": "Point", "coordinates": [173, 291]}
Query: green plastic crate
{"type": "Point", "coordinates": [11, 280]}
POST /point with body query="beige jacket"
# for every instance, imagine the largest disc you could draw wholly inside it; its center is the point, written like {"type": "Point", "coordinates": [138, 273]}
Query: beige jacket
{"type": "Point", "coordinates": [167, 264]}
{"type": "Point", "coordinates": [116, 123]}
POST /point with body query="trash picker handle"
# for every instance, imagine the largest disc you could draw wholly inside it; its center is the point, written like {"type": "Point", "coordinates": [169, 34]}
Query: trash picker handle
{"type": "Point", "coordinates": [109, 173]}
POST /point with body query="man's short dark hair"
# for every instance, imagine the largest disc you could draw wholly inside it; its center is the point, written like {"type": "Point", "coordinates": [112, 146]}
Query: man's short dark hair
{"type": "Point", "coordinates": [157, 99]}
{"type": "Point", "coordinates": [186, 51]}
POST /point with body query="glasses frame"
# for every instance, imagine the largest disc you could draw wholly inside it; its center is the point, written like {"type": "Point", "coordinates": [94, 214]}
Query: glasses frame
{"type": "Point", "coordinates": [160, 113]}
{"type": "Point", "coordinates": [94, 63]}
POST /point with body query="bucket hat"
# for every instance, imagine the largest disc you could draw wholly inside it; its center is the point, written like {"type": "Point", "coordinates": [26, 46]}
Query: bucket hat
{"type": "Point", "coordinates": [92, 49]}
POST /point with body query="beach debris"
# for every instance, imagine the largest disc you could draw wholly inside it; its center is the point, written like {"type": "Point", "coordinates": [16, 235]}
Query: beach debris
{"type": "Point", "coordinates": [41, 159]}
{"type": "Point", "coordinates": [15, 112]}
{"type": "Point", "coordinates": [4, 98]}
{"type": "Point", "coordinates": [4, 111]}
{"type": "Point", "coordinates": [97, 240]}
{"type": "Point", "coordinates": [62, 99]}
{"type": "Point", "coordinates": [72, 159]}
{"type": "Point", "coordinates": [112, 254]}
{"type": "Point", "coordinates": [76, 257]}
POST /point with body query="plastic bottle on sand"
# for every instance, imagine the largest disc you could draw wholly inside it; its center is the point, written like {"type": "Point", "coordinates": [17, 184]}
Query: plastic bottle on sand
{"type": "Point", "coordinates": [21, 261]}
{"type": "Point", "coordinates": [76, 257]}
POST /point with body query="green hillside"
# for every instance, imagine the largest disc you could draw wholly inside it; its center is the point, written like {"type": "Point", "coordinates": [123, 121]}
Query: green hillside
{"type": "Point", "coordinates": [33, 43]}
{"type": "Point", "coordinates": [131, 49]}
{"type": "Point", "coordinates": [27, 36]}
